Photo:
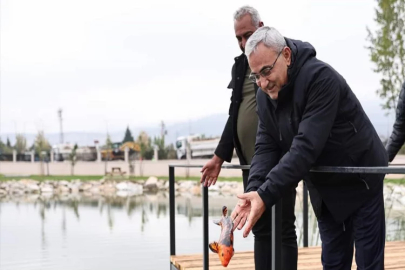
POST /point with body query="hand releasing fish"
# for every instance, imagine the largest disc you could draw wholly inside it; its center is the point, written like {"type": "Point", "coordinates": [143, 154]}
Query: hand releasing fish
{"type": "Point", "coordinates": [224, 247]}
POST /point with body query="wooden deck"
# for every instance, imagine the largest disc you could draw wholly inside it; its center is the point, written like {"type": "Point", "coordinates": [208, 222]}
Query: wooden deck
{"type": "Point", "coordinates": [308, 259]}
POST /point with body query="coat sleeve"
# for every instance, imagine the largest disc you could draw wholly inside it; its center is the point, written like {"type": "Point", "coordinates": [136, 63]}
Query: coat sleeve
{"type": "Point", "coordinates": [397, 137]}
{"type": "Point", "coordinates": [267, 155]}
{"type": "Point", "coordinates": [313, 131]}
{"type": "Point", "coordinates": [226, 145]}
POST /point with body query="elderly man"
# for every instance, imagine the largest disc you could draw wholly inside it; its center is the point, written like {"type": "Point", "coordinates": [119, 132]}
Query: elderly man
{"type": "Point", "coordinates": [240, 134]}
{"type": "Point", "coordinates": [309, 116]}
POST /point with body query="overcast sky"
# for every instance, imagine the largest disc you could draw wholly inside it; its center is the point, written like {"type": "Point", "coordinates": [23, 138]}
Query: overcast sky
{"type": "Point", "coordinates": [139, 62]}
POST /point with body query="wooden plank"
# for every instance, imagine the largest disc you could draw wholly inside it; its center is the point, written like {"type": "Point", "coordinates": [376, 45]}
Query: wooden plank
{"type": "Point", "coordinates": [308, 259]}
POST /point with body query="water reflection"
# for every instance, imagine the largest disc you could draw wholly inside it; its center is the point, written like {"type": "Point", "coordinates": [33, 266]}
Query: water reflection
{"type": "Point", "coordinates": [96, 230]}
{"type": "Point", "coordinates": [187, 206]}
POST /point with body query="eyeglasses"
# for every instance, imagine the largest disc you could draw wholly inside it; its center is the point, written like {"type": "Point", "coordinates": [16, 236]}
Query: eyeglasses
{"type": "Point", "coordinates": [264, 72]}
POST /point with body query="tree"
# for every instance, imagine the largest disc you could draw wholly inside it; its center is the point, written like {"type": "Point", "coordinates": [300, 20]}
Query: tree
{"type": "Point", "coordinates": [73, 158]}
{"type": "Point", "coordinates": [2, 145]}
{"type": "Point", "coordinates": [171, 152]}
{"type": "Point", "coordinates": [387, 49]}
{"type": "Point", "coordinates": [41, 146]}
{"type": "Point", "coordinates": [8, 143]}
{"type": "Point", "coordinates": [128, 136]}
{"type": "Point", "coordinates": [20, 143]}
{"type": "Point", "coordinates": [41, 143]}
{"type": "Point", "coordinates": [160, 143]}
{"type": "Point", "coordinates": [108, 145]}
{"type": "Point", "coordinates": [145, 144]}
{"type": "Point", "coordinates": [108, 142]}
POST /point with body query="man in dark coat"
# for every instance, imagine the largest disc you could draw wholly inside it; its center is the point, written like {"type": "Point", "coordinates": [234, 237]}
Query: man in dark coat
{"type": "Point", "coordinates": [240, 134]}
{"type": "Point", "coordinates": [397, 137]}
{"type": "Point", "coordinates": [309, 116]}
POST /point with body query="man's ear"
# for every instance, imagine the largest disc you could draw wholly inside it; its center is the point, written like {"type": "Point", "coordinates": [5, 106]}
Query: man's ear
{"type": "Point", "coordinates": [261, 24]}
{"type": "Point", "coordinates": [287, 54]}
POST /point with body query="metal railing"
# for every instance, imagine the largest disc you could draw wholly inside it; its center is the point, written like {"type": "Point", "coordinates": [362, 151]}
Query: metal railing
{"type": "Point", "coordinates": [275, 211]}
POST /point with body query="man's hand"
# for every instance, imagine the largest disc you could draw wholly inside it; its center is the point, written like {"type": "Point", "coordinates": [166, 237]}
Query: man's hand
{"type": "Point", "coordinates": [211, 170]}
{"type": "Point", "coordinates": [257, 208]}
{"type": "Point", "coordinates": [240, 214]}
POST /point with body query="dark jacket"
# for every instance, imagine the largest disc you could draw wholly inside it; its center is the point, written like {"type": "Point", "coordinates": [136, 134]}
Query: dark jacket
{"type": "Point", "coordinates": [397, 137]}
{"type": "Point", "coordinates": [316, 121]}
{"type": "Point", "coordinates": [229, 139]}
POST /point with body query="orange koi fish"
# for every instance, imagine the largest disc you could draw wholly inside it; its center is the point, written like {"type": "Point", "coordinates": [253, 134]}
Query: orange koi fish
{"type": "Point", "coordinates": [224, 247]}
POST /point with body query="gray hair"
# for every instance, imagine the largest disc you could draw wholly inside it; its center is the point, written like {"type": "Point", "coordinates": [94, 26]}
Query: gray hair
{"type": "Point", "coordinates": [269, 36]}
{"type": "Point", "coordinates": [254, 14]}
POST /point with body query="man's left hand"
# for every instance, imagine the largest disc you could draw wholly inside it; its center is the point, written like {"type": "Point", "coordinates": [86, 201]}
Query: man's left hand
{"type": "Point", "coordinates": [257, 209]}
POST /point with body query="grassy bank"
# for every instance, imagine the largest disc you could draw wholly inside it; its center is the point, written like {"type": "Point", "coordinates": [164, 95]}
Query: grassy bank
{"type": "Point", "coordinates": [135, 178]}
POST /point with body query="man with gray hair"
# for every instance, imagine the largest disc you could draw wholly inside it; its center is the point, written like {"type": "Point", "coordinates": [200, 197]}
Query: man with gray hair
{"type": "Point", "coordinates": [309, 116]}
{"type": "Point", "coordinates": [240, 134]}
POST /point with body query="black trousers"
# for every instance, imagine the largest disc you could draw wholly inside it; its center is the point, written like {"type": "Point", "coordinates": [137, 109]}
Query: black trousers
{"type": "Point", "coordinates": [364, 229]}
{"type": "Point", "coordinates": [262, 235]}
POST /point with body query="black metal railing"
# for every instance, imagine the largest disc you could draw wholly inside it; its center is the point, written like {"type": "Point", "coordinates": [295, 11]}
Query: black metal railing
{"type": "Point", "coordinates": [275, 211]}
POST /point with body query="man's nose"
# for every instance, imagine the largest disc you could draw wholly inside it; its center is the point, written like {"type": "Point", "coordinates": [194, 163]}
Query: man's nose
{"type": "Point", "coordinates": [262, 82]}
{"type": "Point", "coordinates": [243, 44]}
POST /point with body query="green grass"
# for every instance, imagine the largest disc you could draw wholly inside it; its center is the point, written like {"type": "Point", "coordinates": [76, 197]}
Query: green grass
{"type": "Point", "coordinates": [395, 181]}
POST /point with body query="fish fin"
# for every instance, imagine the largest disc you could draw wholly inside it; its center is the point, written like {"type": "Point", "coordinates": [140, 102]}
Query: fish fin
{"type": "Point", "coordinates": [224, 211]}
{"type": "Point", "coordinates": [217, 221]}
{"type": "Point", "coordinates": [213, 247]}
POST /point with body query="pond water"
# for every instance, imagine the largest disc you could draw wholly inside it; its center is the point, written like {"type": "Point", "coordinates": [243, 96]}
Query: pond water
{"type": "Point", "coordinates": [75, 231]}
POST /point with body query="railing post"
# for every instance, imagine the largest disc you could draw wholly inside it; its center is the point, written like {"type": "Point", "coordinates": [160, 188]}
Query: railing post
{"type": "Point", "coordinates": [172, 212]}
{"type": "Point", "coordinates": [276, 224]}
{"type": "Point", "coordinates": [205, 227]}
{"type": "Point", "coordinates": [305, 213]}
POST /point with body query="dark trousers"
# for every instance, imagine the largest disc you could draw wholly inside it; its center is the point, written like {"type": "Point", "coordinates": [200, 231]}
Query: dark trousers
{"type": "Point", "coordinates": [364, 229]}
{"type": "Point", "coordinates": [262, 235]}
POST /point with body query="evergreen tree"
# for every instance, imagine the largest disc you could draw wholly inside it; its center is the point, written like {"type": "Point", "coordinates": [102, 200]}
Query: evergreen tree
{"type": "Point", "coordinates": [128, 136]}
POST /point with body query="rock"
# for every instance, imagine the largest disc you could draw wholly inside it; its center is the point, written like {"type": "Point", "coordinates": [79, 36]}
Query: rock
{"type": "Point", "coordinates": [16, 191]}
{"type": "Point", "coordinates": [32, 188]}
{"type": "Point", "coordinates": [214, 188]}
{"type": "Point", "coordinates": [16, 186]}
{"type": "Point", "coordinates": [87, 193]}
{"type": "Point", "coordinates": [182, 190]}
{"type": "Point", "coordinates": [46, 188]}
{"type": "Point", "coordinates": [135, 188]}
{"type": "Point", "coordinates": [3, 192]}
{"type": "Point", "coordinates": [122, 193]}
{"type": "Point", "coordinates": [122, 186]}
{"type": "Point", "coordinates": [196, 190]}
{"type": "Point", "coordinates": [28, 181]}
{"type": "Point", "coordinates": [63, 189]}
{"type": "Point", "coordinates": [226, 189]}
{"type": "Point", "coordinates": [95, 190]}
{"type": "Point", "coordinates": [74, 188]}
{"type": "Point", "coordinates": [85, 187]}
{"type": "Point", "coordinates": [221, 184]}
{"type": "Point", "coordinates": [151, 184]}
{"type": "Point", "coordinates": [214, 193]}
{"type": "Point", "coordinates": [107, 188]}
{"type": "Point", "coordinates": [63, 183]}
{"type": "Point", "coordinates": [187, 184]}
{"type": "Point", "coordinates": [161, 184]}
{"type": "Point", "coordinates": [4, 186]}
{"type": "Point", "coordinates": [46, 196]}
{"type": "Point", "coordinates": [31, 198]}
